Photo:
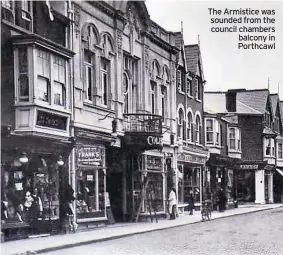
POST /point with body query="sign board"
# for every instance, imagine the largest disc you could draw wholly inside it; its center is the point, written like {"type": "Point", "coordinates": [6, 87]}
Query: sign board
{"type": "Point", "coordinates": [192, 158]}
{"type": "Point", "coordinates": [143, 141]}
{"type": "Point", "coordinates": [90, 155]}
{"type": "Point", "coordinates": [51, 120]}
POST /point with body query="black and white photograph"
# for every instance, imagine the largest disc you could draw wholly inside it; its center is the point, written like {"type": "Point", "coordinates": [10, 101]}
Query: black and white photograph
{"type": "Point", "coordinates": [143, 127]}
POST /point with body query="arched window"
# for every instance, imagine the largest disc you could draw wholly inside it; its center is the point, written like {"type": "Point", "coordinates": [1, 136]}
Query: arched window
{"type": "Point", "coordinates": [126, 92]}
{"type": "Point", "coordinates": [190, 127]}
{"type": "Point", "coordinates": [180, 123]}
{"type": "Point", "coordinates": [198, 129]}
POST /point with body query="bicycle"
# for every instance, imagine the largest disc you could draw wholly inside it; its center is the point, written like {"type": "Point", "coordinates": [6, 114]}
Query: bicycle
{"type": "Point", "coordinates": [206, 210]}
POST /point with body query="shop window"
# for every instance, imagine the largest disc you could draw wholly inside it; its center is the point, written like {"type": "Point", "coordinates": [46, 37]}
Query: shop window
{"type": "Point", "coordinates": [190, 127]}
{"type": "Point", "coordinates": [280, 150]}
{"type": "Point", "coordinates": [209, 131]}
{"type": "Point", "coordinates": [30, 191]}
{"type": "Point", "coordinates": [90, 193]}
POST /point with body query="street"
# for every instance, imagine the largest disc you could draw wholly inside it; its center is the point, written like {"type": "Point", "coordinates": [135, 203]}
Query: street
{"type": "Point", "coordinates": [253, 233]}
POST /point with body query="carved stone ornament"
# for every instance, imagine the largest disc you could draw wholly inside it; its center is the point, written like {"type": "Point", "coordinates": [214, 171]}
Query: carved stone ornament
{"type": "Point", "coordinates": [77, 20]}
{"type": "Point", "coordinates": [146, 57]}
{"type": "Point", "coordinates": [119, 43]}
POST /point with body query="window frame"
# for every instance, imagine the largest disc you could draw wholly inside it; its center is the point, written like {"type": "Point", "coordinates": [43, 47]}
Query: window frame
{"type": "Point", "coordinates": [269, 143]}
{"type": "Point", "coordinates": [180, 126]}
{"type": "Point", "coordinates": [280, 151]}
{"type": "Point", "coordinates": [198, 129]}
{"type": "Point", "coordinates": [104, 88]}
{"type": "Point", "coordinates": [189, 137]}
{"type": "Point", "coordinates": [209, 131]}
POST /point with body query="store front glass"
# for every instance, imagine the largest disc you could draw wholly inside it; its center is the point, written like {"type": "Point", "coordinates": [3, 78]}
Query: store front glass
{"type": "Point", "coordinates": [30, 192]}
{"type": "Point", "coordinates": [191, 183]}
{"type": "Point", "coordinates": [91, 182]}
{"type": "Point", "coordinates": [246, 186]}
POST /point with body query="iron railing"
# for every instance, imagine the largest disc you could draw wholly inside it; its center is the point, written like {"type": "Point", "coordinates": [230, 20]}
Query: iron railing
{"type": "Point", "coordinates": [143, 123]}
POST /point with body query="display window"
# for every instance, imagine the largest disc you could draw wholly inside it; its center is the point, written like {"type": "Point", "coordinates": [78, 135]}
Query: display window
{"type": "Point", "coordinates": [191, 183]}
{"type": "Point", "coordinates": [90, 193]}
{"type": "Point", "coordinates": [30, 191]}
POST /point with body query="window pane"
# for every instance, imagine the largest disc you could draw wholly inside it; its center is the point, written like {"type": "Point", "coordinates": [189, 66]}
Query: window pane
{"type": "Point", "coordinates": [23, 60]}
{"type": "Point", "coordinates": [43, 63]}
{"type": "Point", "coordinates": [42, 89]}
{"type": "Point", "coordinates": [209, 137]}
{"type": "Point", "coordinates": [24, 87]}
{"type": "Point", "coordinates": [104, 88]}
{"type": "Point", "coordinates": [89, 82]}
{"type": "Point", "coordinates": [59, 93]}
{"type": "Point", "coordinates": [209, 126]}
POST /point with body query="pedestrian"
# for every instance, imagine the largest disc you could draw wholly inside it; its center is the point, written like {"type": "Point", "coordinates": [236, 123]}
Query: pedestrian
{"type": "Point", "coordinates": [222, 200]}
{"type": "Point", "coordinates": [191, 203]}
{"type": "Point", "coordinates": [172, 204]}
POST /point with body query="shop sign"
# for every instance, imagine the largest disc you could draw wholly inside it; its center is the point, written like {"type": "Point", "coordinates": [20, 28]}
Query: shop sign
{"type": "Point", "coordinates": [142, 141]}
{"type": "Point", "coordinates": [249, 167]}
{"type": "Point", "coordinates": [154, 163]}
{"type": "Point", "coordinates": [47, 119]}
{"type": "Point", "coordinates": [91, 155]}
{"type": "Point", "coordinates": [191, 158]}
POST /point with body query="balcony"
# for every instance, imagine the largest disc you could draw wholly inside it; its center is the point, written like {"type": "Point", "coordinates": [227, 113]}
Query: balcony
{"type": "Point", "coordinates": [143, 131]}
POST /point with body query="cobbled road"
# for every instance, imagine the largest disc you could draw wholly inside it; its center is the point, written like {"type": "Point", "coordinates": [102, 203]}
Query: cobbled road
{"type": "Point", "coordinates": [253, 233]}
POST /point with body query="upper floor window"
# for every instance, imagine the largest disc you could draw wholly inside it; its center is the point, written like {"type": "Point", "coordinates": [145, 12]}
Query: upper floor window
{"type": "Point", "coordinates": [276, 124]}
{"type": "Point", "coordinates": [234, 138]}
{"type": "Point", "coordinates": [40, 75]}
{"type": "Point", "coordinates": [209, 130]}
{"type": "Point", "coordinates": [180, 124]}
{"type": "Point", "coordinates": [190, 127]}
{"type": "Point", "coordinates": [198, 89]}
{"type": "Point", "coordinates": [104, 81]}
{"type": "Point", "coordinates": [163, 101]}
{"type": "Point", "coordinates": [180, 81]}
{"type": "Point", "coordinates": [153, 96]}
{"type": "Point", "coordinates": [267, 119]}
{"type": "Point", "coordinates": [126, 92]}
{"type": "Point", "coordinates": [269, 147]}
{"type": "Point", "coordinates": [280, 151]}
{"type": "Point", "coordinates": [89, 74]}
{"type": "Point", "coordinates": [189, 87]}
{"type": "Point", "coordinates": [198, 129]}
{"type": "Point", "coordinates": [131, 65]}
{"type": "Point", "coordinates": [23, 80]}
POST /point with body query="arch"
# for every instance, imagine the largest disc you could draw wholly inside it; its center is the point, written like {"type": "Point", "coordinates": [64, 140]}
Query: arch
{"type": "Point", "coordinates": [88, 30]}
{"type": "Point", "coordinates": [166, 73]}
{"type": "Point", "coordinates": [180, 106]}
{"type": "Point", "coordinates": [106, 38]}
{"type": "Point", "coordinates": [198, 114]}
{"type": "Point", "coordinates": [139, 5]}
{"type": "Point", "coordinates": [155, 68]}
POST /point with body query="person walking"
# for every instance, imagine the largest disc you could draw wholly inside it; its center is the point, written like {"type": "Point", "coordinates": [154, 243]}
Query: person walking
{"type": "Point", "coordinates": [172, 204]}
{"type": "Point", "coordinates": [191, 203]}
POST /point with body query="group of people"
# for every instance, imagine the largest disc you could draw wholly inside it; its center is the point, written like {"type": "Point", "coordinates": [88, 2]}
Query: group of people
{"type": "Point", "coordinates": [221, 202]}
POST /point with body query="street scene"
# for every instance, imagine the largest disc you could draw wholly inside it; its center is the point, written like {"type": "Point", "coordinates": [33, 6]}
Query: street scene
{"type": "Point", "coordinates": [252, 234]}
{"type": "Point", "coordinates": [115, 124]}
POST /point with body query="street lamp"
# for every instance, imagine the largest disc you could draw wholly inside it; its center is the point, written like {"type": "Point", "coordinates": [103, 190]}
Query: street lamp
{"type": "Point", "coordinates": [23, 158]}
{"type": "Point", "coordinates": [60, 161]}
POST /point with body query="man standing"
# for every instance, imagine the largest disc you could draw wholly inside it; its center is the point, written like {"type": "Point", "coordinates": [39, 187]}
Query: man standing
{"type": "Point", "coordinates": [172, 204]}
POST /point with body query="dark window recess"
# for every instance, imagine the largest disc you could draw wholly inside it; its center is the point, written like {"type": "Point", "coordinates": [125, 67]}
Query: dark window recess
{"type": "Point", "coordinates": [53, 30]}
{"type": "Point", "coordinates": [51, 120]}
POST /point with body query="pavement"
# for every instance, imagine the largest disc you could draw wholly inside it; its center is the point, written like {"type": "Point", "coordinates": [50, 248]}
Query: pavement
{"type": "Point", "coordinates": [118, 230]}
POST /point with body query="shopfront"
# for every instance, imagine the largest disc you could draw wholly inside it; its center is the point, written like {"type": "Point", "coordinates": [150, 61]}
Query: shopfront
{"type": "Point", "coordinates": [33, 182]}
{"type": "Point", "coordinates": [152, 170]}
{"type": "Point", "coordinates": [90, 182]}
{"type": "Point", "coordinates": [192, 177]}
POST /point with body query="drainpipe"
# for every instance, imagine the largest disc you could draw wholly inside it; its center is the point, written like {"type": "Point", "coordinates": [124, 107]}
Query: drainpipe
{"type": "Point", "coordinates": [72, 178]}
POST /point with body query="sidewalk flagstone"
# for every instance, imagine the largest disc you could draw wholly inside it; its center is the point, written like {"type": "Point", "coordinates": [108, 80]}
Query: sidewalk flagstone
{"type": "Point", "coordinates": [44, 244]}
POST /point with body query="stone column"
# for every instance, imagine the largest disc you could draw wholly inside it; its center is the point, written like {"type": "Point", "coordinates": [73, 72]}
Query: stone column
{"type": "Point", "coordinates": [270, 188]}
{"type": "Point", "coordinates": [259, 187]}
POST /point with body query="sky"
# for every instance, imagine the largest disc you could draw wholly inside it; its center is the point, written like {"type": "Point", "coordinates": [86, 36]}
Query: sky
{"type": "Point", "coordinates": [225, 66]}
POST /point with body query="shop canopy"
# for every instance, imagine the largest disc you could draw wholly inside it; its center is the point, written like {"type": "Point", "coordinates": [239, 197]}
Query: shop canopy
{"type": "Point", "coordinates": [279, 171]}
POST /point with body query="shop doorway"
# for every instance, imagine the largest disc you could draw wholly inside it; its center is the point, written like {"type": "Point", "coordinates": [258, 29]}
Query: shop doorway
{"type": "Point", "coordinates": [115, 189]}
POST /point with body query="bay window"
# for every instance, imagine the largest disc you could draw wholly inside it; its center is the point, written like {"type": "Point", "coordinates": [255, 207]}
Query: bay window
{"type": "Point", "coordinates": [209, 131]}
{"type": "Point", "coordinates": [269, 147]}
{"type": "Point", "coordinates": [232, 138]}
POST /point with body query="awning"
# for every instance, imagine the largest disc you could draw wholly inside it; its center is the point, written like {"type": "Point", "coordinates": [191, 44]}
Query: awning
{"type": "Point", "coordinates": [279, 171]}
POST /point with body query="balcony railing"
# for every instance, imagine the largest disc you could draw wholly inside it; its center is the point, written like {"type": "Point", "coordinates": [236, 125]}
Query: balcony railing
{"type": "Point", "coordinates": [143, 123]}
